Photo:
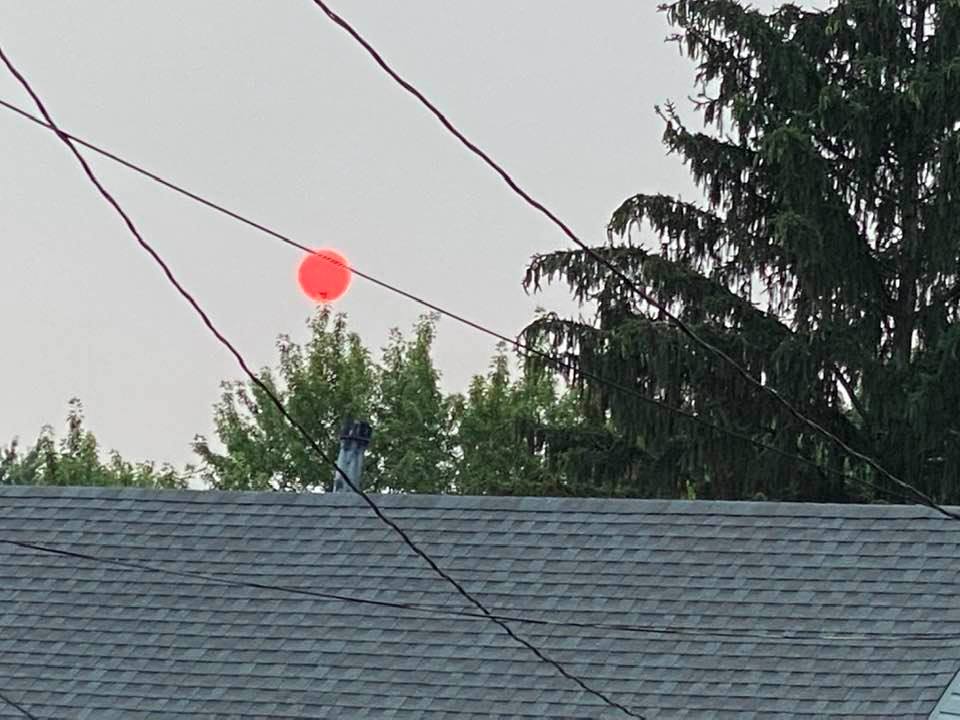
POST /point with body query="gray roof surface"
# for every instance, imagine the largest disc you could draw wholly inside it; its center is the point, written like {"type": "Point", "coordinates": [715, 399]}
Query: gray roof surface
{"type": "Point", "coordinates": [86, 640]}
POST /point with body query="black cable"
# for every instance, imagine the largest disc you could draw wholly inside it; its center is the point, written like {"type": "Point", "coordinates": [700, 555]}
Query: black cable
{"type": "Point", "coordinates": [17, 706]}
{"type": "Point", "coordinates": [699, 631]}
{"type": "Point", "coordinates": [290, 419]}
{"type": "Point", "coordinates": [551, 358]}
{"type": "Point", "coordinates": [640, 292]}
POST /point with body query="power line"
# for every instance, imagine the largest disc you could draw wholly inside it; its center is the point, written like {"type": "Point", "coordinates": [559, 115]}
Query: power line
{"type": "Point", "coordinates": [511, 615]}
{"type": "Point", "coordinates": [636, 289]}
{"type": "Point", "coordinates": [551, 358]}
{"type": "Point", "coordinates": [17, 706]}
{"type": "Point", "coordinates": [290, 419]}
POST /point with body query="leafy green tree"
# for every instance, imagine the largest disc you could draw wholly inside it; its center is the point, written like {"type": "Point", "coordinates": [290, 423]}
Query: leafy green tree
{"type": "Point", "coordinates": [502, 428]}
{"type": "Point", "coordinates": [491, 441]}
{"type": "Point", "coordinates": [75, 460]}
{"type": "Point", "coordinates": [411, 441]}
{"type": "Point", "coordinates": [330, 378]}
{"type": "Point", "coordinates": [824, 258]}
{"type": "Point", "coordinates": [320, 384]}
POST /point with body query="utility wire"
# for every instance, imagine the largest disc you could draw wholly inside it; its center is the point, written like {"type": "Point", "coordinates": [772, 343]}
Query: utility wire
{"type": "Point", "coordinates": [551, 358]}
{"type": "Point", "coordinates": [17, 706]}
{"type": "Point", "coordinates": [640, 292]}
{"type": "Point", "coordinates": [699, 631]}
{"type": "Point", "coordinates": [290, 419]}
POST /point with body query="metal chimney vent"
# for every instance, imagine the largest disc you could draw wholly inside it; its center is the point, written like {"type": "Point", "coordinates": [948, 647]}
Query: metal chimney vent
{"type": "Point", "coordinates": [353, 443]}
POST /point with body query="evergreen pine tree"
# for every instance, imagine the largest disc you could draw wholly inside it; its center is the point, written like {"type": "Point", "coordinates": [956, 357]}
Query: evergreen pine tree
{"type": "Point", "coordinates": [823, 258]}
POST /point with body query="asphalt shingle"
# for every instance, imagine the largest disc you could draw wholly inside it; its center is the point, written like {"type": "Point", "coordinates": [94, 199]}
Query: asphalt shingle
{"type": "Point", "coordinates": [86, 640]}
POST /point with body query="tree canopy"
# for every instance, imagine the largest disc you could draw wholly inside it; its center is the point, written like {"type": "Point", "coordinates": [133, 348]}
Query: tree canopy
{"type": "Point", "coordinates": [412, 448]}
{"type": "Point", "coordinates": [321, 383]}
{"type": "Point", "coordinates": [499, 431]}
{"type": "Point", "coordinates": [490, 440]}
{"type": "Point", "coordinates": [76, 460]}
{"type": "Point", "coordinates": [823, 258]}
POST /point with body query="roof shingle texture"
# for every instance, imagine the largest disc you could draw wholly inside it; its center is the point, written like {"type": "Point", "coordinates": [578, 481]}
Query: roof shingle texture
{"type": "Point", "coordinates": [81, 640]}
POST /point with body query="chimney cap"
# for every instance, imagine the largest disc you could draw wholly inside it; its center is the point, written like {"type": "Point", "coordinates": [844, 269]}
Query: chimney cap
{"type": "Point", "coordinates": [358, 430]}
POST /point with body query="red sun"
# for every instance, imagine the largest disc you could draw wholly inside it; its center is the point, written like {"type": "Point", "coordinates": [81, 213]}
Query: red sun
{"type": "Point", "coordinates": [324, 276]}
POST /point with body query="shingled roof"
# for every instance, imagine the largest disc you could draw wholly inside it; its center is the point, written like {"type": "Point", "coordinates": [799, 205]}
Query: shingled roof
{"type": "Point", "coordinates": [80, 639]}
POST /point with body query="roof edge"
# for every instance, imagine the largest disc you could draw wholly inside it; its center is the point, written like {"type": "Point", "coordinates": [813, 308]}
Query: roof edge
{"type": "Point", "coordinates": [626, 506]}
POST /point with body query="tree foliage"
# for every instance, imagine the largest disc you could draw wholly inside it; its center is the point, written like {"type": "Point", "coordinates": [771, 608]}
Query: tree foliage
{"type": "Point", "coordinates": [411, 448]}
{"type": "Point", "coordinates": [824, 258]}
{"type": "Point", "coordinates": [76, 460]}
{"type": "Point", "coordinates": [489, 441]}
{"type": "Point", "coordinates": [330, 378]}
{"type": "Point", "coordinates": [500, 433]}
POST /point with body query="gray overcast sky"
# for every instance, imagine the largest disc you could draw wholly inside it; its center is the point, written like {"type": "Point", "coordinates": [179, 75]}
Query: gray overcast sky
{"type": "Point", "coordinates": [269, 108]}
